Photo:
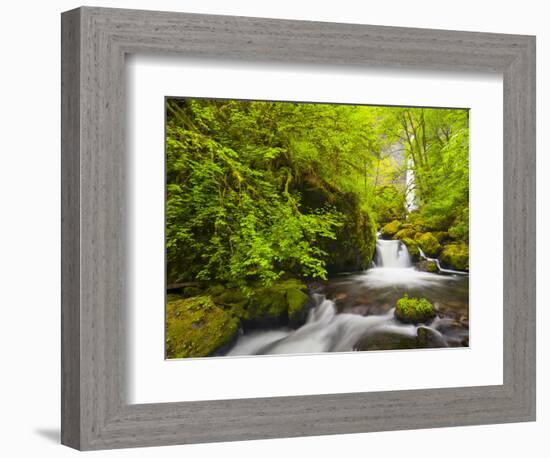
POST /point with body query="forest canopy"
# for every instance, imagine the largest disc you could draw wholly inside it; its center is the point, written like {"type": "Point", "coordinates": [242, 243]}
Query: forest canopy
{"type": "Point", "coordinates": [262, 192]}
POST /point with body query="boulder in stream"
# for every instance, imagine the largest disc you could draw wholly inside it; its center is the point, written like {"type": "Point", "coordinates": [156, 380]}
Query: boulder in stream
{"type": "Point", "coordinates": [390, 229]}
{"type": "Point", "coordinates": [414, 310]}
{"type": "Point", "coordinates": [429, 244]}
{"type": "Point", "coordinates": [429, 338]}
{"type": "Point", "coordinates": [386, 341]}
{"type": "Point", "coordinates": [455, 256]}
{"type": "Point", "coordinates": [427, 266]}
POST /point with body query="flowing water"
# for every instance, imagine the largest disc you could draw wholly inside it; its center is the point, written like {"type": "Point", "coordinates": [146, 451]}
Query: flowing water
{"type": "Point", "coordinates": [356, 311]}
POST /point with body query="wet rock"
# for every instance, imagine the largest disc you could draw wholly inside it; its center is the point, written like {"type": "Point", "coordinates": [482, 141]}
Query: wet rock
{"type": "Point", "coordinates": [455, 256]}
{"type": "Point", "coordinates": [386, 341]}
{"type": "Point", "coordinates": [340, 296]}
{"type": "Point", "coordinates": [429, 244]}
{"type": "Point", "coordinates": [390, 229]}
{"type": "Point", "coordinates": [299, 305]}
{"type": "Point", "coordinates": [352, 249]}
{"type": "Point", "coordinates": [429, 338]}
{"type": "Point", "coordinates": [427, 266]}
{"type": "Point", "coordinates": [412, 247]}
{"type": "Point", "coordinates": [455, 332]}
{"type": "Point", "coordinates": [450, 327]}
{"type": "Point", "coordinates": [405, 233]}
{"type": "Point", "coordinates": [441, 236]}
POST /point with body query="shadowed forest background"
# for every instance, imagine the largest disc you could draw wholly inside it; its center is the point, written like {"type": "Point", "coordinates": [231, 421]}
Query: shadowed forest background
{"type": "Point", "coordinates": [267, 202]}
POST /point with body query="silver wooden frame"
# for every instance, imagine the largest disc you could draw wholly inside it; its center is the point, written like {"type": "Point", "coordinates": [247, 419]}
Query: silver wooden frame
{"type": "Point", "coordinates": [95, 413]}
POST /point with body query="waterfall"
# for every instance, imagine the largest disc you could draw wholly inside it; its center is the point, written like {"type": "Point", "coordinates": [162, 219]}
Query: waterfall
{"type": "Point", "coordinates": [438, 264]}
{"type": "Point", "coordinates": [392, 253]}
{"type": "Point", "coordinates": [410, 194]}
{"type": "Point", "coordinates": [394, 268]}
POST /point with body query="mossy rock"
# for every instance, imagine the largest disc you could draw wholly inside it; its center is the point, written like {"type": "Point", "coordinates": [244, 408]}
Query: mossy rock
{"type": "Point", "coordinates": [456, 256]}
{"type": "Point", "coordinates": [427, 266]}
{"type": "Point", "coordinates": [216, 290]}
{"type": "Point", "coordinates": [414, 310]}
{"type": "Point", "coordinates": [441, 236]}
{"type": "Point", "coordinates": [284, 302]}
{"type": "Point", "coordinates": [296, 300]}
{"type": "Point", "coordinates": [171, 297]}
{"type": "Point", "coordinates": [412, 247]}
{"type": "Point", "coordinates": [267, 303]}
{"type": "Point", "coordinates": [279, 303]}
{"type": "Point", "coordinates": [390, 229]}
{"type": "Point", "coordinates": [405, 233]}
{"type": "Point", "coordinates": [429, 244]}
{"type": "Point", "coordinates": [353, 247]}
{"type": "Point", "coordinates": [197, 327]}
{"type": "Point", "coordinates": [231, 297]}
{"type": "Point", "coordinates": [191, 291]}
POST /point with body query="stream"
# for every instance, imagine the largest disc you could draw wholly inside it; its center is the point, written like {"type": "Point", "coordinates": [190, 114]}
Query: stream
{"type": "Point", "coordinates": [355, 311]}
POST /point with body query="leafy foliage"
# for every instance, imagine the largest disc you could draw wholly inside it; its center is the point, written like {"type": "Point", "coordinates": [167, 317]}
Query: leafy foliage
{"type": "Point", "coordinates": [262, 191]}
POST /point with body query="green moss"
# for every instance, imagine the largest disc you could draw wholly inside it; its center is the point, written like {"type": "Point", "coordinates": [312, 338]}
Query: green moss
{"type": "Point", "coordinates": [412, 246]}
{"type": "Point", "coordinates": [427, 266]}
{"type": "Point", "coordinates": [390, 229]}
{"type": "Point", "coordinates": [405, 233]}
{"type": "Point", "coordinates": [172, 297]}
{"type": "Point", "coordinates": [354, 245]}
{"type": "Point", "coordinates": [216, 290]}
{"type": "Point", "coordinates": [441, 236]}
{"type": "Point", "coordinates": [281, 301]}
{"type": "Point", "coordinates": [231, 296]}
{"type": "Point", "coordinates": [456, 256]}
{"type": "Point", "coordinates": [197, 327]}
{"type": "Point", "coordinates": [191, 291]}
{"type": "Point", "coordinates": [296, 300]}
{"type": "Point", "coordinates": [414, 310]}
{"type": "Point", "coordinates": [267, 303]}
{"type": "Point", "coordinates": [429, 244]}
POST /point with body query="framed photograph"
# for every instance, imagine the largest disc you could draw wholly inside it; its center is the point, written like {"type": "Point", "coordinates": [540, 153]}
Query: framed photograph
{"type": "Point", "coordinates": [278, 228]}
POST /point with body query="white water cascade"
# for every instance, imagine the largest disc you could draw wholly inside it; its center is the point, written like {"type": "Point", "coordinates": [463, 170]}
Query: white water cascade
{"type": "Point", "coordinates": [394, 269]}
{"type": "Point", "coordinates": [392, 253]}
{"type": "Point", "coordinates": [324, 331]}
{"type": "Point", "coordinates": [438, 264]}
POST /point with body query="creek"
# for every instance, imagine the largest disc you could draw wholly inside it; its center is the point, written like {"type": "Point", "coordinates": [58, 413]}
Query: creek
{"type": "Point", "coordinates": [355, 311]}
